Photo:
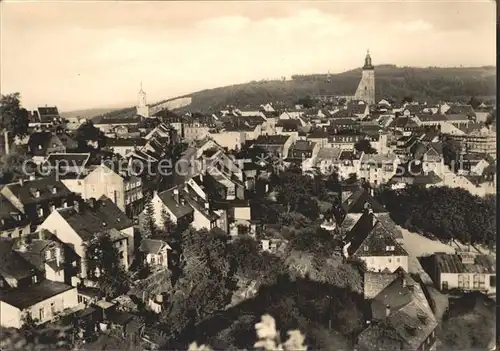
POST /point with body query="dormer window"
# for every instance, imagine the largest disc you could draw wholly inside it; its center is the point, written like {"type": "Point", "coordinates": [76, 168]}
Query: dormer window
{"type": "Point", "coordinates": [365, 248]}
{"type": "Point", "coordinates": [39, 147]}
{"type": "Point", "coordinates": [389, 248]}
{"type": "Point", "coordinates": [37, 193]}
{"type": "Point", "coordinates": [54, 190]}
{"type": "Point", "coordinates": [40, 212]}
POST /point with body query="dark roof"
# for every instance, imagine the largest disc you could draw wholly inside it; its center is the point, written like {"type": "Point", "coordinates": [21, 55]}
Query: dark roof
{"type": "Point", "coordinates": [302, 145]}
{"type": "Point", "coordinates": [178, 209]}
{"type": "Point", "coordinates": [356, 107]}
{"type": "Point", "coordinates": [48, 111]}
{"type": "Point", "coordinates": [152, 246]}
{"type": "Point", "coordinates": [67, 141]}
{"type": "Point", "coordinates": [318, 133]}
{"type": "Point", "coordinates": [12, 264]}
{"type": "Point", "coordinates": [26, 192]}
{"type": "Point", "coordinates": [375, 282]}
{"type": "Point", "coordinates": [70, 159]}
{"type": "Point", "coordinates": [356, 202]}
{"type": "Point", "coordinates": [38, 139]}
{"type": "Point", "coordinates": [87, 221]}
{"type": "Point", "coordinates": [28, 296]}
{"type": "Point", "coordinates": [289, 124]}
{"type": "Point", "coordinates": [123, 142]}
{"type": "Point", "coordinates": [461, 109]}
{"type": "Point", "coordinates": [372, 239]}
{"type": "Point", "coordinates": [7, 210]}
{"type": "Point", "coordinates": [453, 263]}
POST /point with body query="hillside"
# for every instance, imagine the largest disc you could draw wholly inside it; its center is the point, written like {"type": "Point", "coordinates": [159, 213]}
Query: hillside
{"type": "Point", "coordinates": [430, 84]}
{"type": "Point", "coordinates": [87, 113]}
{"type": "Point", "coordinates": [433, 83]}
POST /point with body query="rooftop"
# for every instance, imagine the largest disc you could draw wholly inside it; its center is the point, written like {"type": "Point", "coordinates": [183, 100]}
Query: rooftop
{"type": "Point", "coordinates": [28, 296]}
{"type": "Point", "coordinates": [27, 191]}
{"type": "Point", "coordinates": [448, 263]}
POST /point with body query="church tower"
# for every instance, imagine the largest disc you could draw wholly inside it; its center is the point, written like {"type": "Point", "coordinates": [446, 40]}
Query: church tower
{"type": "Point", "coordinates": [142, 107]}
{"type": "Point", "coordinates": [366, 87]}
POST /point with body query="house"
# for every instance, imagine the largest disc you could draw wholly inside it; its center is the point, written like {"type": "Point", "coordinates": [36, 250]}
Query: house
{"type": "Point", "coordinates": [115, 181]}
{"type": "Point", "coordinates": [24, 291]}
{"type": "Point", "coordinates": [37, 198]}
{"type": "Point", "coordinates": [370, 241]}
{"type": "Point", "coordinates": [278, 145]}
{"type": "Point", "coordinates": [44, 117]}
{"type": "Point", "coordinates": [289, 127]}
{"type": "Point", "coordinates": [173, 204]}
{"type": "Point", "coordinates": [155, 252]}
{"type": "Point", "coordinates": [327, 159]}
{"type": "Point", "coordinates": [464, 271]}
{"type": "Point", "coordinates": [124, 146]}
{"type": "Point", "coordinates": [13, 222]}
{"type": "Point", "coordinates": [378, 169]}
{"type": "Point", "coordinates": [318, 136]}
{"type": "Point", "coordinates": [41, 301]}
{"type": "Point", "coordinates": [358, 108]}
{"type": "Point", "coordinates": [301, 151]}
{"type": "Point", "coordinates": [107, 124]}
{"type": "Point", "coordinates": [419, 178]}
{"type": "Point", "coordinates": [475, 138]}
{"type": "Point", "coordinates": [42, 144]}
{"type": "Point", "coordinates": [345, 141]}
{"type": "Point", "coordinates": [44, 252]}
{"type": "Point", "coordinates": [430, 156]}
{"type": "Point", "coordinates": [401, 317]}
{"type": "Point", "coordinates": [78, 225]}
{"type": "Point", "coordinates": [338, 125]}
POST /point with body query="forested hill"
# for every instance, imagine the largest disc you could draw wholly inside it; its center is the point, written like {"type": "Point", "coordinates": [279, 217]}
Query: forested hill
{"type": "Point", "coordinates": [432, 83]}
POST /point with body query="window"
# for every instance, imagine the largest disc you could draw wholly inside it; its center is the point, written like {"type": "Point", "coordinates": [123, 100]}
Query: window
{"type": "Point", "coordinates": [41, 314]}
{"type": "Point", "coordinates": [40, 212]}
{"type": "Point", "coordinates": [53, 308]}
{"type": "Point", "coordinates": [444, 285]}
{"type": "Point", "coordinates": [34, 279]}
{"type": "Point", "coordinates": [398, 259]}
{"type": "Point", "coordinates": [389, 259]}
{"type": "Point", "coordinates": [48, 255]}
{"type": "Point", "coordinates": [493, 280]}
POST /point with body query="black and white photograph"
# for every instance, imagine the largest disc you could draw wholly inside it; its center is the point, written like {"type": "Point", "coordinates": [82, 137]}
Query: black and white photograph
{"type": "Point", "coordinates": [248, 175]}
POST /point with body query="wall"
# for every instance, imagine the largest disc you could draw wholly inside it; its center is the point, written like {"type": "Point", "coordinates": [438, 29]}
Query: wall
{"type": "Point", "coordinates": [452, 279]}
{"type": "Point", "coordinates": [230, 140]}
{"type": "Point", "coordinates": [103, 181]}
{"type": "Point", "coordinates": [242, 213]}
{"type": "Point", "coordinates": [200, 221]}
{"type": "Point", "coordinates": [16, 232]}
{"type": "Point", "coordinates": [67, 299]}
{"type": "Point", "coordinates": [10, 316]}
{"type": "Point", "coordinates": [379, 263]}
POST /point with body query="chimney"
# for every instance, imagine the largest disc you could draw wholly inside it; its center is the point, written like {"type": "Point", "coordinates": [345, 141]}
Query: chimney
{"type": "Point", "coordinates": [207, 206]}
{"type": "Point", "coordinates": [32, 177]}
{"type": "Point", "coordinates": [22, 245]}
{"type": "Point", "coordinates": [92, 203]}
{"type": "Point", "coordinates": [76, 206]}
{"type": "Point", "coordinates": [387, 310]}
{"type": "Point", "coordinates": [159, 298]}
{"type": "Point", "coordinates": [183, 201]}
{"type": "Point", "coordinates": [176, 195]}
{"type": "Point", "coordinates": [403, 282]}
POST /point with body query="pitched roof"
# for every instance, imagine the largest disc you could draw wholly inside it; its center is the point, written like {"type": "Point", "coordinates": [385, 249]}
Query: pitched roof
{"type": "Point", "coordinates": [375, 282]}
{"type": "Point", "coordinates": [39, 142]}
{"type": "Point", "coordinates": [356, 202]}
{"type": "Point", "coordinates": [87, 221]}
{"type": "Point", "coordinates": [369, 237]}
{"type": "Point", "coordinates": [26, 193]}
{"type": "Point", "coordinates": [124, 142]}
{"type": "Point", "coordinates": [271, 140]}
{"type": "Point", "coordinates": [28, 296]}
{"type": "Point", "coordinates": [178, 209]}
{"type": "Point", "coordinates": [151, 246]}
{"type": "Point", "coordinates": [448, 263]}
{"type": "Point", "coordinates": [12, 264]}
{"type": "Point", "coordinates": [329, 153]}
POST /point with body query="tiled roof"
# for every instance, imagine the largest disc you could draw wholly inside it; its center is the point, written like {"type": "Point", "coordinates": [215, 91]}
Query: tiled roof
{"type": "Point", "coordinates": [356, 203]}
{"type": "Point", "coordinates": [456, 117]}
{"type": "Point", "coordinates": [178, 209]}
{"type": "Point", "coordinates": [329, 153]}
{"type": "Point", "coordinates": [318, 133]}
{"type": "Point", "coordinates": [448, 263]}
{"type": "Point", "coordinates": [289, 124]}
{"type": "Point", "coordinates": [27, 191]}
{"type": "Point", "coordinates": [302, 145]}
{"type": "Point", "coordinates": [375, 282]}
{"type": "Point", "coordinates": [87, 220]}
{"type": "Point", "coordinates": [29, 296]}
{"type": "Point", "coordinates": [388, 223]}
{"type": "Point", "coordinates": [372, 239]}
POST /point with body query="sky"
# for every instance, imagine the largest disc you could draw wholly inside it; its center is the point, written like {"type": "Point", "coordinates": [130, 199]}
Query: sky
{"type": "Point", "coordinates": [86, 54]}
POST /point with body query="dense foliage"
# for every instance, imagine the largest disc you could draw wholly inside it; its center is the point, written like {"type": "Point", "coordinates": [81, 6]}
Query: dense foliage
{"type": "Point", "coordinates": [469, 324]}
{"type": "Point", "coordinates": [446, 213]}
{"type": "Point", "coordinates": [104, 266]}
{"type": "Point", "coordinates": [13, 117]}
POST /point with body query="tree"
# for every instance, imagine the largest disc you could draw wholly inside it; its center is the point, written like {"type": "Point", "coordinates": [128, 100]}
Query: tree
{"type": "Point", "coordinates": [15, 165]}
{"type": "Point", "coordinates": [364, 145]}
{"type": "Point", "coordinates": [474, 102]}
{"type": "Point", "coordinates": [87, 133]}
{"type": "Point", "coordinates": [407, 99]}
{"type": "Point", "coordinates": [149, 224]}
{"type": "Point", "coordinates": [104, 266]}
{"type": "Point", "coordinates": [13, 118]}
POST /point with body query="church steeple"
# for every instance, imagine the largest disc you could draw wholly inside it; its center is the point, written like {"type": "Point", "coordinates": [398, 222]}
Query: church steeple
{"type": "Point", "coordinates": [368, 61]}
{"type": "Point", "coordinates": [142, 98]}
